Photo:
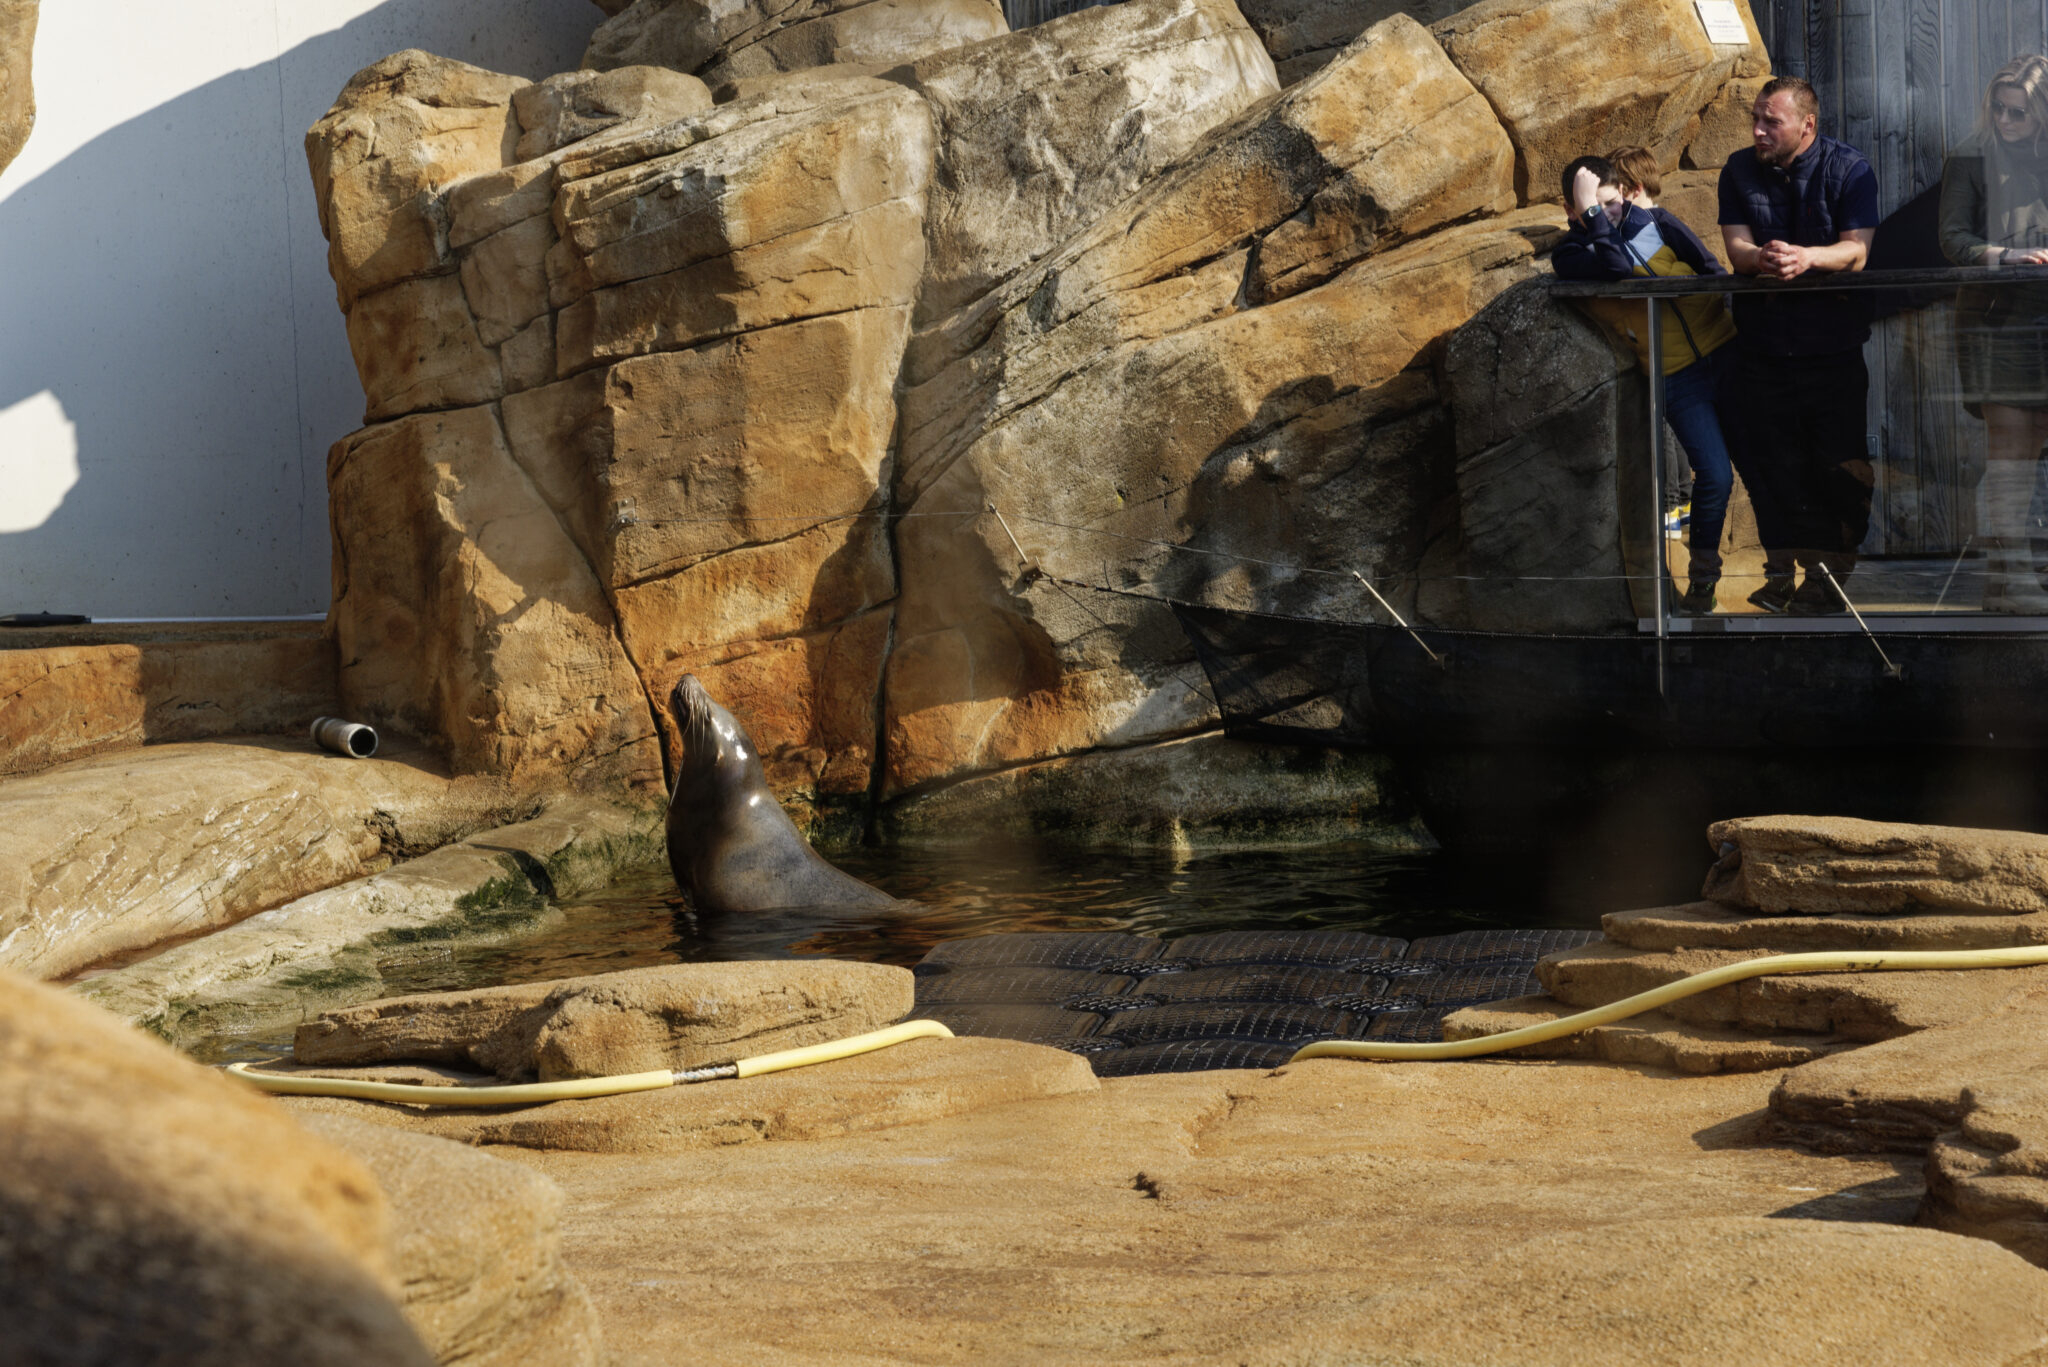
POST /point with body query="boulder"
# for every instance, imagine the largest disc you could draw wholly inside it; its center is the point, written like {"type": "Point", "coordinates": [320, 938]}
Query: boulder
{"type": "Point", "coordinates": [402, 130]}
{"type": "Point", "coordinates": [1566, 76]}
{"type": "Point", "coordinates": [914, 1083]}
{"type": "Point", "coordinates": [476, 1244]}
{"type": "Point", "coordinates": [724, 42]}
{"type": "Point", "coordinates": [1710, 925]}
{"type": "Point", "coordinates": [1043, 131]}
{"type": "Point", "coordinates": [1725, 124]}
{"type": "Point", "coordinates": [1989, 1178]}
{"type": "Point", "coordinates": [1900, 1095]}
{"type": "Point", "coordinates": [109, 855]}
{"type": "Point", "coordinates": [1695, 197]}
{"type": "Point", "coordinates": [1716, 1290]}
{"type": "Point", "coordinates": [17, 82]}
{"type": "Point", "coordinates": [153, 1211]}
{"type": "Point", "coordinates": [1303, 38]}
{"type": "Point", "coordinates": [638, 1020]}
{"type": "Point", "coordinates": [575, 105]}
{"type": "Point", "coordinates": [1826, 865]}
{"type": "Point", "coordinates": [463, 612]}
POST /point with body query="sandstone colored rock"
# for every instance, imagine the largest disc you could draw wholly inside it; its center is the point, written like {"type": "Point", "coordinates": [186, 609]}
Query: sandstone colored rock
{"type": "Point", "coordinates": [401, 130]}
{"type": "Point", "coordinates": [154, 1211]}
{"type": "Point", "coordinates": [756, 38]}
{"type": "Point", "coordinates": [121, 851]}
{"type": "Point", "coordinates": [17, 81]}
{"type": "Point", "coordinates": [463, 612]}
{"type": "Point", "coordinates": [1043, 131]}
{"type": "Point", "coordinates": [1858, 1006]}
{"type": "Point", "coordinates": [574, 105]}
{"type": "Point", "coordinates": [1822, 865]}
{"type": "Point", "coordinates": [1695, 197]}
{"type": "Point", "coordinates": [1989, 1178]}
{"type": "Point", "coordinates": [1898, 1096]}
{"type": "Point", "coordinates": [1653, 1039]}
{"type": "Point", "coordinates": [1566, 75]}
{"type": "Point", "coordinates": [1303, 38]}
{"type": "Point", "coordinates": [635, 1021]}
{"type": "Point", "coordinates": [915, 1083]}
{"type": "Point", "coordinates": [333, 947]}
{"type": "Point", "coordinates": [1636, 1296]}
{"type": "Point", "coordinates": [1710, 925]}
{"type": "Point", "coordinates": [475, 1243]}
{"type": "Point", "coordinates": [1725, 124]}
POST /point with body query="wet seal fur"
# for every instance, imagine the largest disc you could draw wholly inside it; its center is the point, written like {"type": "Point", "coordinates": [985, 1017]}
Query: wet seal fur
{"type": "Point", "coordinates": [730, 844]}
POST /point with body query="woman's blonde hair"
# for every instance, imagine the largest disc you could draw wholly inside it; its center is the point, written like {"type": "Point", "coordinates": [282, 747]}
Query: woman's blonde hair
{"type": "Point", "coordinates": [2029, 76]}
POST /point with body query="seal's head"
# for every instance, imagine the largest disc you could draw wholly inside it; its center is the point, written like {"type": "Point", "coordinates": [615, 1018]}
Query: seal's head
{"type": "Point", "coordinates": [714, 746]}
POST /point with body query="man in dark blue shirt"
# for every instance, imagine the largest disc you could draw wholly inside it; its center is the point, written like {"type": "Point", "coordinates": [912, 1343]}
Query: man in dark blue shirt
{"type": "Point", "coordinates": [1793, 400]}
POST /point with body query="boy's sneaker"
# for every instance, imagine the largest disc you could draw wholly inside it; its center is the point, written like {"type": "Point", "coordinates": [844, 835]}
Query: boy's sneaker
{"type": "Point", "coordinates": [1698, 600]}
{"type": "Point", "coordinates": [1775, 595]}
{"type": "Point", "coordinates": [1677, 520]}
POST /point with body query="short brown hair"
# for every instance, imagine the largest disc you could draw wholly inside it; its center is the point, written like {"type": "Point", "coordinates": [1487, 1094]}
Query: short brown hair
{"type": "Point", "coordinates": [1801, 89]}
{"type": "Point", "coordinates": [1639, 168]}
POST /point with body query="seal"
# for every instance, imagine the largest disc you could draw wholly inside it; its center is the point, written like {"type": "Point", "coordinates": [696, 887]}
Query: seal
{"type": "Point", "coordinates": [730, 844]}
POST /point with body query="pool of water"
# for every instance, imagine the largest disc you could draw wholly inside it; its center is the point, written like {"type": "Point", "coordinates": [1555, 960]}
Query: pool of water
{"type": "Point", "coordinates": [644, 920]}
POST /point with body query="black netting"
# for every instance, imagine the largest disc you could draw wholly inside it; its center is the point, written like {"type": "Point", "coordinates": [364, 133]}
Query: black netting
{"type": "Point", "coordinates": [1041, 1022]}
{"type": "Point", "coordinates": [1469, 986]}
{"type": "Point", "coordinates": [1047, 949]}
{"type": "Point", "coordinates": [1417, 1027]}
{"type": "Point", "coordinates": [1095, 1001]}
{"type": "Point", "coordinates": [1012, 984]}
{"type": "Point", "coordinates": [1276, 1023]}
{"type": "Point", "coordinates": [1472, 945]}
{"type": "Point", "coordinates": [1254, 983]}
{"type": "Point", "coordinates": [1190, 1056]}
{"type": "Point", "coordinates": [1325, 948]}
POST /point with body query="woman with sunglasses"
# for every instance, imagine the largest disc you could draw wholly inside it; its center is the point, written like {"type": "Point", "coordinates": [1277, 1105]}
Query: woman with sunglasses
{"type": "Point", "coordinates": [1994, 212]}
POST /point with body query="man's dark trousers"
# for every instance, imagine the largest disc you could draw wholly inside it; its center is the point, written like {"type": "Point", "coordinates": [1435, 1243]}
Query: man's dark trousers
{"type": "Point", "coordinates": [1800, 448]}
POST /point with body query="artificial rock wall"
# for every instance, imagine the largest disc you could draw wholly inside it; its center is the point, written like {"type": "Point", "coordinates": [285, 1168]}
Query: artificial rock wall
{"type": "Point", "coordinates": [844, 355]}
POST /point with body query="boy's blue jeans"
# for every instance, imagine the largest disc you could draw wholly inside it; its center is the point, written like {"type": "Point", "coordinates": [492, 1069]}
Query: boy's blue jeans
{"type": "Point", "coordinates": [1689, 408]}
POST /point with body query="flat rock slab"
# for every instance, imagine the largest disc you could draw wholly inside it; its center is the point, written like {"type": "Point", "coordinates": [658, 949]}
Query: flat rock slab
{"type": "Point", "coordinates": [1899, 1095]}
{"type": "Point", "coordinates": [1710, 925]}
{"type": "Point", "coordinates": [327, 949]}
{"type": "Point", "coordinates": [1859, 1006]}
{"type": "Point", "coordinates": [112, 854]}
{"type": "Point", "coordinates": [906, 1084]}
{"type": "Point", "coordinates": [1652, 1039]}
{"type": "Point", "coordinates": [1989, 1178]}
{"type": "Point", "coordinates": [476, 1245]}
{"type": "Point", "coordinates": [670, 1016]}
{"type": "Point", "coordinates": [1827, 865]}
{"type": "Point", "coordinates": [1737, 1289]}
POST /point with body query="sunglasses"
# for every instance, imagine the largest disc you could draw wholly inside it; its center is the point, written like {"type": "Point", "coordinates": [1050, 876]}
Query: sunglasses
{"type": "Point", "coordinates": [2008, 113]}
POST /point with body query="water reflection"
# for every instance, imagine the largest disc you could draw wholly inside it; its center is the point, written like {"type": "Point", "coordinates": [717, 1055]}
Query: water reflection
{"type": "Point", "coordinates": [951, 894]}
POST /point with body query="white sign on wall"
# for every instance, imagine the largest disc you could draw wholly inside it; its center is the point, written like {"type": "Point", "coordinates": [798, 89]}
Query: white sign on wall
{"type": "Point", "coordinates": [1722, 21]}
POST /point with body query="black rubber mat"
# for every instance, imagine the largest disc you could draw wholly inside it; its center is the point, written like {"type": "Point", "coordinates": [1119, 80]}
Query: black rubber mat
{"type": "Point", "coordinates": [1319, 948]}
{"type": "Point", "coordinates": [1234, 999]}
{"type": "Point", "coordinates": [1276, 1023]}
{"type": "Point", "coordinates": [1190, 1056]}
{"type": "Point", "coordinates": [1015, 985]}
{"type": "Point", "coordinates": [1254, 983]}
{"type": "Point", "coordinates": [1049, 949]}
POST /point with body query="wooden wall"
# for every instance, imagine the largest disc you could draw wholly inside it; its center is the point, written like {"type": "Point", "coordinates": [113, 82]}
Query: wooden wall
{"type": "Point", "coordinates": [1902, 81]}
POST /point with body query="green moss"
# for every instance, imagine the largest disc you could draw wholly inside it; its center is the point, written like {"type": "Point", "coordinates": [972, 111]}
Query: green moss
{"type": "Point", "coordinates": [329, 980]}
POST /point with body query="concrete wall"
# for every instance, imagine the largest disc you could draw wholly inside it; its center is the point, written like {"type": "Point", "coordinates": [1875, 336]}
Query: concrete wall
{"type": "Point", "coordinates": [172, 364]}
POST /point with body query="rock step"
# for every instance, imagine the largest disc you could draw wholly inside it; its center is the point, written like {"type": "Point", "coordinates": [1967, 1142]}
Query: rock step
{"type": "Point", "coordinates": [1860, 1006]}
{"type": "Point", "coordinates": [1654, 1039]}
{"type": "Point", "coordinates": [1710, 925]}
{"type": "Point", "coordinates": [1828, 865]}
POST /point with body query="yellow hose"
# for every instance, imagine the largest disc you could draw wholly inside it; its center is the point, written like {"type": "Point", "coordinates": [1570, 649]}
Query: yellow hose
{"type": "Point", "coordinates": [532, 1093]}
{"type": "Point", "coordinates": [1833, 962]}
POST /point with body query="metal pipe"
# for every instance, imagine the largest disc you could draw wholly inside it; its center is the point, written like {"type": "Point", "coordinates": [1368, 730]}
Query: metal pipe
{"type": "Point", "coordinates": [351, 740]}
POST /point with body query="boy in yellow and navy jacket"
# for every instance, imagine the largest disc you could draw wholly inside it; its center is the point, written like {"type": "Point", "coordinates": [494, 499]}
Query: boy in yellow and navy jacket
{"type": "Point", "coordinates": [1612, 238]}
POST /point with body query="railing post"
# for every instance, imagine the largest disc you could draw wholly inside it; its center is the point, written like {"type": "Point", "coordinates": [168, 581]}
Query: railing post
{"type": "Point", "coordinates": [1657, 550]}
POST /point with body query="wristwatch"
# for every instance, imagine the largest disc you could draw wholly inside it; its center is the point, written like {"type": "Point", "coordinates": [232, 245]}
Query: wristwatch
{"type": "Point", "coordinates": [1592, 214]}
